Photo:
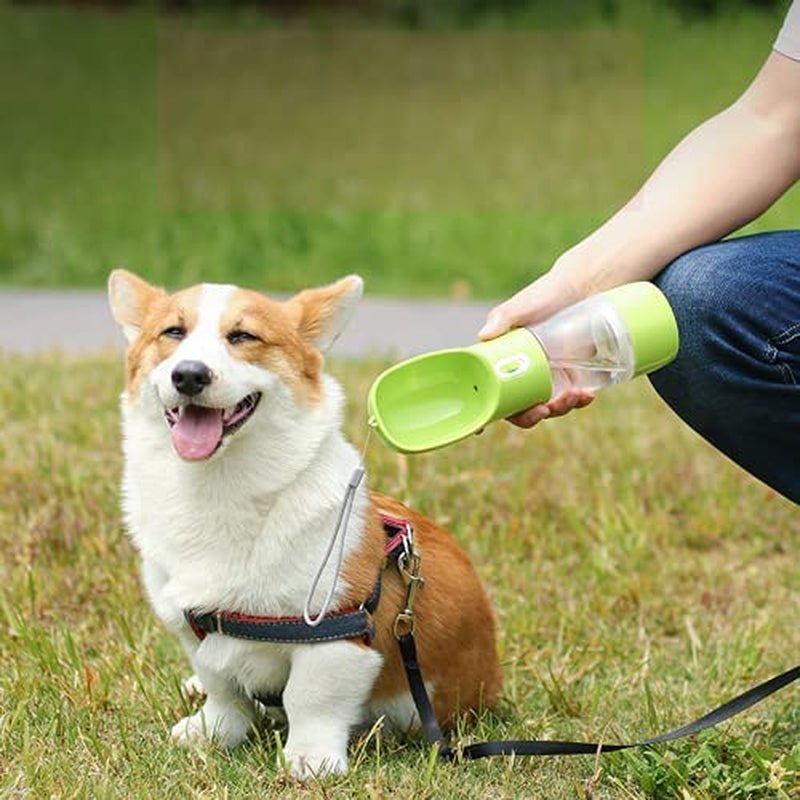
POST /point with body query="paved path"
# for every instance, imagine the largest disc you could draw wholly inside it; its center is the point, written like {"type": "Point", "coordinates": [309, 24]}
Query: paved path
{"type": "Point", "coordinates": [79, 323]}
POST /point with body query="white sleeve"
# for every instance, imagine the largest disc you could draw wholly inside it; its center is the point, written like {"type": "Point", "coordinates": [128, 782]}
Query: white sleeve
{"type": "Point", "coordinates": [788, 41]}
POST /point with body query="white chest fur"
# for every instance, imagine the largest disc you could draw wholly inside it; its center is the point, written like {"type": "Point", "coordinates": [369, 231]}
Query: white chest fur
{"type": "Point", "coordinates": [244, 532]}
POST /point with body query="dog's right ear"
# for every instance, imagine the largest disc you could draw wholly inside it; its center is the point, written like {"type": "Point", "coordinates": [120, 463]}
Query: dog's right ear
{"type": "Point", "coordinates": [129, 297]}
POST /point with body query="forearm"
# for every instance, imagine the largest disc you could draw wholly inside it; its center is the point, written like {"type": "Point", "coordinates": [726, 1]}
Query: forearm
{"type": "Point", "coordinates": [722, 175]}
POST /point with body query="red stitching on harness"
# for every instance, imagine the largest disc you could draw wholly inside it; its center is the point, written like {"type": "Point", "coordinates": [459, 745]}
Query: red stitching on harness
{"type": "Point", "coordinates": [235, 616]}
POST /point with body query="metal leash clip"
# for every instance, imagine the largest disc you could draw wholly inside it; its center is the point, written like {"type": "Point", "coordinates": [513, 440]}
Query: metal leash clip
{"type": "Point", "coordinates": [408, 565]}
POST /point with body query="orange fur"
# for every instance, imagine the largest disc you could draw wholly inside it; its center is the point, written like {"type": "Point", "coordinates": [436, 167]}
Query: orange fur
{"type": "Point", "coordinates": [281, 347]}
{"type": "Point", "coordinates": [151, 348]}
{"type": "Point", "coordinates": [453, 616]}
{"type": "Point", "coordinates": [312, 310]}
{"type": "Point", "coordinates": [149, 309]}
{"type": "Point", "coordinates": [286, 330]}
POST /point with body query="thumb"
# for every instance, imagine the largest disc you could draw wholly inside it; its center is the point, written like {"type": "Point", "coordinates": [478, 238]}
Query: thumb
{"type": "Point", "coordinates": [535, 302]}
{"type": "Point", "coordinates": [497, 322]}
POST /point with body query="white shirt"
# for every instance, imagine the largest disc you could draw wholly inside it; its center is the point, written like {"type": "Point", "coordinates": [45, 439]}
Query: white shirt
{"type": "Point", "coordinates": [788, 41]}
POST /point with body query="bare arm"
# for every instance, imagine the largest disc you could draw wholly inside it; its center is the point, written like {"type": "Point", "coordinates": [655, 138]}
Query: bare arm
{"type": "Point", "coordinates": [722, 175]}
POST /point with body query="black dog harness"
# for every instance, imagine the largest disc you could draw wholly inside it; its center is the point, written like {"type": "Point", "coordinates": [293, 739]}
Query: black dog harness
{"type": "Point", "coordinates": [349, 623]}
{"type": "Point", "coordinates": [357, 623]}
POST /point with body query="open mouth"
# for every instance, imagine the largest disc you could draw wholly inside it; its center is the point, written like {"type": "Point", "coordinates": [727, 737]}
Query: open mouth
{"type": "Point", "coordinates": [198, 431]}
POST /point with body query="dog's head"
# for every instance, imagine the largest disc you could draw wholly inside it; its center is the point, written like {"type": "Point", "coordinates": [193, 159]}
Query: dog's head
{"type": "Point", "coordinates": [211, 358]}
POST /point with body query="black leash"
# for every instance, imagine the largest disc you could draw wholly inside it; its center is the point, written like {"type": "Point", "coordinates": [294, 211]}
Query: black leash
{"type": "Point", "coordinates": [534, 747]}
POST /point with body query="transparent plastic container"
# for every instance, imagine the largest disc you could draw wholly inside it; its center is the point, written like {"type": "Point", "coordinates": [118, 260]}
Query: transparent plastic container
{"type": "Point", "coordinates": [587, 346]}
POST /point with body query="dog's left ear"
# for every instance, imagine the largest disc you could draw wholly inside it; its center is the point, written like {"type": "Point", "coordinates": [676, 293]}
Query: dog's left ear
{"type": "Point", "coordinates": [322, 314]}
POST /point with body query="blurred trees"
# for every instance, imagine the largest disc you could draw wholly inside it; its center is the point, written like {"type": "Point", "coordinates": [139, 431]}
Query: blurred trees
{"type": "Point", "coordinates": [434, 13]}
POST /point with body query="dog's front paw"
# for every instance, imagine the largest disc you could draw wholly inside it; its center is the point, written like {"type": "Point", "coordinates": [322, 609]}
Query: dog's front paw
{"type": "Point", "coordinates": [193, 688]}
{"type": "Point", "coordinates": [227, 730]}
{"type": "Point", "coordinates": [190, 731]}
{"type": "Point", "coordinates": [307, 764]}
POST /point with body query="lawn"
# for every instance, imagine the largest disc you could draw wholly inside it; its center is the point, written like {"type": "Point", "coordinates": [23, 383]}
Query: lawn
{"type": "Point", "coordinates": [639, 579]}
{"type": "Point", "coordinates": [432, 162]}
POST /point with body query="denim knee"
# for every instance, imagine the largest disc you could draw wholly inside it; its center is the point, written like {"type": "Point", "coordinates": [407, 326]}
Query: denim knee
{"type": "Point", "coordinates": [704, 288]}
{"type": "Point", "coordinates": [736, 378]}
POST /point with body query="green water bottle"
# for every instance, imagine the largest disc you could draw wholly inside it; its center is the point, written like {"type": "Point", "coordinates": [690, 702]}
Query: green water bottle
{"type": "Point", "coordinates": [438, 398]}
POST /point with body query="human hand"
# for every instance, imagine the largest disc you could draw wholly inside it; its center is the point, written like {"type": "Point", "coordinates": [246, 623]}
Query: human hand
{"type": "Point", "coordinates": [557, 407]}
{"type": "Point", "coordinates": [535, 303]}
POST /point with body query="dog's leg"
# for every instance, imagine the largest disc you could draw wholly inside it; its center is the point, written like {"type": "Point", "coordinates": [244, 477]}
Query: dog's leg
{"type": "Point", "coordinates": [328, 687]}
{"type": "Point", "coordinates": [226, 717]}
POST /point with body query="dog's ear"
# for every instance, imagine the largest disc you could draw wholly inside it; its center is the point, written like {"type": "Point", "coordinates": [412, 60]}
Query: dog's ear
{"type": "Point", "coordinates": [129, 297]}
{"type": "Point", "coordinates": [320, 315]}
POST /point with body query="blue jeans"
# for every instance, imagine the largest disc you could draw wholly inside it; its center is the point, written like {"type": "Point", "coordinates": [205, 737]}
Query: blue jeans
{"type": "Point", "coordinates": [736, 380]}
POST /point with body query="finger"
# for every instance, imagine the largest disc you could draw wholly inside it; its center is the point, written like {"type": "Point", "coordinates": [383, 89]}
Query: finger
{"type": "Point", "coordinates": [520, 309]}
{"type": "Point", "coordinates": [530, 417]}
{"type": "Point", "coordinates": [566, 402]}
{"type": "Point", "coordinates": [496, 324]}
{"type": "Point", "coordinates": [563, 404]}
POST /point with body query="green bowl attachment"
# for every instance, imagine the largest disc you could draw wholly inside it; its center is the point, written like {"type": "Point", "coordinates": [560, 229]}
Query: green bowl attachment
{"type": "Point", "coordinates": [438, 398]}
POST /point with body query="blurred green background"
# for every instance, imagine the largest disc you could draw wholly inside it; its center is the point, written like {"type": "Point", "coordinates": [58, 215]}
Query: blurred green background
{"type": "Point", "coordinates": [437, 148]}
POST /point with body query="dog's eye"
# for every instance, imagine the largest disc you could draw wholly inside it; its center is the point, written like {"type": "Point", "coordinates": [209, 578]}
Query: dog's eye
{"type": "Point", "coordinates": [174, 332]}
{"type": "Point", "coordinates": [240, 337]}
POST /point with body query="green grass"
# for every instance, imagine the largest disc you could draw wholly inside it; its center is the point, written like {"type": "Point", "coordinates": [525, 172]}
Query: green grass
{"type": "Point", "coordinates": [638, 578]}
{"type": "Point", "coordinates": [432, 162]}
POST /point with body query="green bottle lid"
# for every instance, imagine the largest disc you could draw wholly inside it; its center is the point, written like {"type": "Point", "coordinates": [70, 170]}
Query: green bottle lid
{"type": "Point", "coordinates": [650, 322]}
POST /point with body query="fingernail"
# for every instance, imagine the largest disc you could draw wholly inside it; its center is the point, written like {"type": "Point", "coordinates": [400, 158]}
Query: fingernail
{"type": "Point", "coordinates": [489, 328]}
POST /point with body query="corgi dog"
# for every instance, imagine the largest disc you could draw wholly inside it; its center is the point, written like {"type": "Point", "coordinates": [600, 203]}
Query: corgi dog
{"type": "Point", "coordinates": [235, 470]}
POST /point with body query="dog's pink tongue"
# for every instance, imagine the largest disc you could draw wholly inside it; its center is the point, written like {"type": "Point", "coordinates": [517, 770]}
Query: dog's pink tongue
{"type": "Point", "coordinates": [197, 432]}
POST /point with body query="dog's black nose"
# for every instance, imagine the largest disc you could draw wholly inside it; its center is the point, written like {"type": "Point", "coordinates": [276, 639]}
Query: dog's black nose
{"type": "Point", "coordinates": [191, 377]}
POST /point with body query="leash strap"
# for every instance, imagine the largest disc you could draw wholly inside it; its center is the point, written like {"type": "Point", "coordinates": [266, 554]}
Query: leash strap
{"type": "Point", "coordinates": [535, 747]}
{"type": "Point", "coordinates": [422, 701]}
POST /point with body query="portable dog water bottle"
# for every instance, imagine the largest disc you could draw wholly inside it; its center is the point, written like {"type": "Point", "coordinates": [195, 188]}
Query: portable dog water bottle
{"type": "Point", "coordinates": [438, 398]}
